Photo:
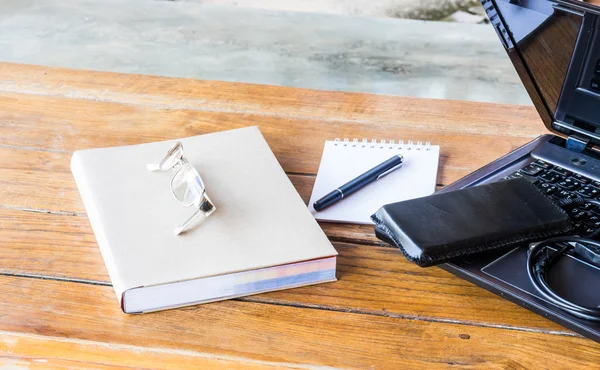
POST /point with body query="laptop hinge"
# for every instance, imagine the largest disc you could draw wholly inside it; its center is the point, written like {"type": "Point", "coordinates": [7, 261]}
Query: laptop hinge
{"type": "Point", "coordinates": [576, 132]}
{"type": "Point", "coordinates": [577, 143]}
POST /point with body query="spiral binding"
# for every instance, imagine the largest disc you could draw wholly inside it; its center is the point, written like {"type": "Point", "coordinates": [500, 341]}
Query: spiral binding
{"type": "Point", "coordinates": [382, 144]}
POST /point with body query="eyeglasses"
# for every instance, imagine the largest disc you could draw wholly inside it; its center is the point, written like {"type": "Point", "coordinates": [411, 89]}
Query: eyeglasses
{"type": "Point", "coordinates": [187, 185]}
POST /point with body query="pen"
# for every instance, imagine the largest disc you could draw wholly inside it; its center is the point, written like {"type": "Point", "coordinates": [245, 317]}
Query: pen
{"type": "Point", "coordinates": [358, 183]}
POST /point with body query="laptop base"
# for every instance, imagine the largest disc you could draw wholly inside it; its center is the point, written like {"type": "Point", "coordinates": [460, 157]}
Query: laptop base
{"type": "Point", "coordinates": [505, 273]}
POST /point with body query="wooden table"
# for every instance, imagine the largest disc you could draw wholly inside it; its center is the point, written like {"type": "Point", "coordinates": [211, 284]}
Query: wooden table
{"type": "Point", "coordinates": [57, 307]}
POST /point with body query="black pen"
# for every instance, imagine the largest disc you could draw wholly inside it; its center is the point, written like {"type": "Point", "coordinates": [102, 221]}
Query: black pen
{"type": "Point", "coordinates": [358, 183]}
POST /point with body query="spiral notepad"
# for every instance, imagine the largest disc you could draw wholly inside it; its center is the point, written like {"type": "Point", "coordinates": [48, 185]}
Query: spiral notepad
{"type": "Point", "coordinates": [344, 160]}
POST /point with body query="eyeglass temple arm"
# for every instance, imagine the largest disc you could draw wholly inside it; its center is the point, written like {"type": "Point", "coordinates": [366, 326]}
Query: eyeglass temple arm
{"type": "Point", "coordinates": [205, 208]}
{"type": "Point", "coordinates": [189, 221]}
{"type": "Point", "coordinates": [153, 167]}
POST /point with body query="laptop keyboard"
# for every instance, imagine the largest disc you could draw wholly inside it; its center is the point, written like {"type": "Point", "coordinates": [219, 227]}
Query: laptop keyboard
{"type": "Point", "coordinates": [559, 183]}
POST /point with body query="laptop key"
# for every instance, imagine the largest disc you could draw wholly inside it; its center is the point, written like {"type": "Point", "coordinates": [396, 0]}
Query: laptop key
{"type": "Point", "coordinates": [596, 184]}
{"type": "Point", "coordinates": [531, 170]}
{"type": "Point", "coordinates": [593, 221]}
{"type": "Point", "coordinates": [564, 194]}
{"type": "Point", "coordinates": [569, 184]}
{"type": "Point", "coordinates": [546, 188]}
{"type": "Point", "coordinates": [587, 207]}
{"type": "Point", "coordinates": [551, 177]}
{"type": "Point", "coordinates": [574, 211]}
{"type": "Point", "coordinates": [516, 175]}
{"type": "Point", "coordinates": [544, 165]}
{"type": "Point", "coordinates": [580, 216]}
{"type": "Point", "coordinates": [585, 230]}
{"type": "Point", "coordinates": [563, 171]}
{"type": "Point", "coordinates": [588, 191]}
{"type": "Point", "coordinates": [520, 175]}
{"type": "Point", "coordinates": [582, 179]}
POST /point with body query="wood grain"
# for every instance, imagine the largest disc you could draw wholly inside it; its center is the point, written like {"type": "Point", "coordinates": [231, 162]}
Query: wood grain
{"type": "Point", "coordinates": [374, 280]}
{"type": "Point", "coordinates": [66, 125]}
{"type": "Point", "coordinates": [275, 101]}
{"type": "Point", "coordinates": [45, 352]}
{"type": "Point", "coordinates": [264, 332]}
{"type": "Point", "coordinates": [383, 312]}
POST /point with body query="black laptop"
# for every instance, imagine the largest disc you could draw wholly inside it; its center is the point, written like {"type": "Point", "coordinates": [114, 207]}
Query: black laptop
{"type": "Point", "coordinates": [555, 48]}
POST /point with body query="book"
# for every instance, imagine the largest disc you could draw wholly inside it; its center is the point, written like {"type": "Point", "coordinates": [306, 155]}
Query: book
{"type": "Point", "coordinates": [260, 238]}
{"type": "Point", "coordinates": [343, 160]}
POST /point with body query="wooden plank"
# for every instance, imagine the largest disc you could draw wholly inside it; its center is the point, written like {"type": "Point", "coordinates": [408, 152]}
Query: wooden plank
{"type": "Point", "coordinates": [359, 234]}
{"type": "Point", "coordinates": [65, 125]}
{"type": "Point", "coordinates": [275, 101]}
{"type": "Point", "coordinates": [38, 180]}
{"type": "Point", "coordinates": [375, 280]}
{"type": "Point", "coordinates": [42, 352]}
{"type": "Point", "coordinates": [49, 245]}
{"type": "Point", "coordinates": [281, 333]}
{"type": "Point", "coordinates": [79, 122]}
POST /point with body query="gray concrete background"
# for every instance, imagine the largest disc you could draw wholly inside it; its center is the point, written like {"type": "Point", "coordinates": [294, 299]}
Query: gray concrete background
{"type": "Point", "coordinates": [230, 43]}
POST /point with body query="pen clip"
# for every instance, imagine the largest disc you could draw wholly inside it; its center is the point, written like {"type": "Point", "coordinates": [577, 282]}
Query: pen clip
{"type": "Point", "coordinates": [390, 171]}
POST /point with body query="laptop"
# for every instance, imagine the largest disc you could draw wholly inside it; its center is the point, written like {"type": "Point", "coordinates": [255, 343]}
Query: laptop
{"type": "Point", "coordinates": [555, 48]}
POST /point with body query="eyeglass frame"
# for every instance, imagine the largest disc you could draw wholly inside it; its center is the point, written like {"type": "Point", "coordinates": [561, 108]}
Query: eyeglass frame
{"type": "Point", "coordinates": [204, 204]}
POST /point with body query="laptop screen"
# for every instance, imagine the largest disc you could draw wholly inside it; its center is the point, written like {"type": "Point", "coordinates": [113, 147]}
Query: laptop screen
{"type": "Point", "coordinates": [555, 47]}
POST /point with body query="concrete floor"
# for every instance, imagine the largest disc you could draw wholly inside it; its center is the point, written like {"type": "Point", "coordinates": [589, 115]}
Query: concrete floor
{"type": "Point", "coordinates": [300, 49]}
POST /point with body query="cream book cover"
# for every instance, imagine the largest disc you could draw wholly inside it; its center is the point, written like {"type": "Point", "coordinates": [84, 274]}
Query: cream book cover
{"type": "Point", "coordinates": [261, 237]}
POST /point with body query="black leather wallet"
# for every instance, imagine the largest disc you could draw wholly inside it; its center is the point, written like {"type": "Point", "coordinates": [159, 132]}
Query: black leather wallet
{"type": "Point", "coordinates": [435, 229]}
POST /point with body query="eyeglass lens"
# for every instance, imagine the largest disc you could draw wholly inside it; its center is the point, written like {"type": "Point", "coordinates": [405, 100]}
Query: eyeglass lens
{"type": "Point", "coordinates": [187, 186]}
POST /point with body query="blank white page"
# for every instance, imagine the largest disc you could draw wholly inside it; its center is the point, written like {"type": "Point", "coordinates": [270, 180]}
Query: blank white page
{"type": "Point", "coordinates": [344, 160]}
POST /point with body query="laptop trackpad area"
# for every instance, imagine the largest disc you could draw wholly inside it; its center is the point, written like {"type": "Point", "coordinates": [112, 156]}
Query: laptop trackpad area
{"type": "Point", "coordinates": [571, 278]}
